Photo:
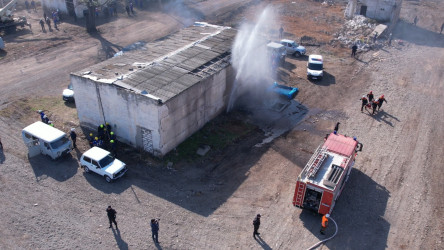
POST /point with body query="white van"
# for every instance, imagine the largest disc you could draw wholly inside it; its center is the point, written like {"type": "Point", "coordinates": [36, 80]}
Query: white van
{"type": "Point", "coordinates": [315, 67]}
{"type": "Point", "coordinates": [40, 138]}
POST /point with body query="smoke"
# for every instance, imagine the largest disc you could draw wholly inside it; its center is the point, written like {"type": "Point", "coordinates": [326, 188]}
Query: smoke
{"type": "Point", "coordinates": [182, 12]}
{"type": "Point", "coordinates": [250, 60]}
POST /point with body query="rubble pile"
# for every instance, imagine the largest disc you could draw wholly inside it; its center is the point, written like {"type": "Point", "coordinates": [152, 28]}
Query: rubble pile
{"type": "Point", "coordinates": [357, 30]}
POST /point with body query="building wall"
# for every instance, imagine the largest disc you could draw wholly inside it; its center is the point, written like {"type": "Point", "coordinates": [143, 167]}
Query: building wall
{"type": "Point", "coordinates": [128, 113]}
{"type": "Point", "coordinates": [381, 10]}
{"type": "Point", "coordinates": [55, 4]}
{"type": "Point", "coordinates": [141, 122]}
{"type": "Point", "coordinates": [193, 108]}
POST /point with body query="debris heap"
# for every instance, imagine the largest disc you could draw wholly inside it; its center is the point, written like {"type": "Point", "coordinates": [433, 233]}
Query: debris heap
{"type": "Point", "coordinates": [357, 30]}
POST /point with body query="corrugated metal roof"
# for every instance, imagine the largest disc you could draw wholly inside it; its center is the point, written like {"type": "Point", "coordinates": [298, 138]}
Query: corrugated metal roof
{"type": "Point", "coordinates": [340, 144]}
{"type": "Point", "coordinates": [172, 64]}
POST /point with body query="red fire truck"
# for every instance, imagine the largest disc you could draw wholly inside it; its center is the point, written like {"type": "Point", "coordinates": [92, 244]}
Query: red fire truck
{"type": "Point", "coordinates": [322, 179]}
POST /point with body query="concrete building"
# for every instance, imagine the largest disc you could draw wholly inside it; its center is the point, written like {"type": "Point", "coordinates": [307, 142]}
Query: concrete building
{"type": "Point", "coordinates": [67, 7]}
{"type": "Point", "coordinates": [381, 10]}
{"type": "Point", "coordinates": [157, 96]}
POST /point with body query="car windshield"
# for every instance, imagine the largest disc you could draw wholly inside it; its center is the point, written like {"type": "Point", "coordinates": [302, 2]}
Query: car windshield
{"type": "Point", "coordinates": [315, 66]}
{"type": "Point", "coordinates": [106, 161]}
{"type": "Point", "coordinates": [59, 143]}
{"type": "Point", "coordinates": [294, 45]}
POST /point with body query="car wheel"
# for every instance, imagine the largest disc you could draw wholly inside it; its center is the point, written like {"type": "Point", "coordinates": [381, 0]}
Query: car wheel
{"type": "Point", "coordinates": [297, 54]}
{"type": "Point", "coordinates": [108, 179]}
{"type": "Point", "coordinates": [86, 169]}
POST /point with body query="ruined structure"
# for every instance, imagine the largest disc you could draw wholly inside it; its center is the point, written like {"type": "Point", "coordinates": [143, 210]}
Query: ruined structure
{"type": "Point", "coordinates": [380, 10]}
{"type": "Point", "coordinates": [159, 95]}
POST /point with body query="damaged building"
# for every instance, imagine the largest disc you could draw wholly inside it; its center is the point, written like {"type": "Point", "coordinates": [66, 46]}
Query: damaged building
{"type": "Point", "coordinates": [380, 10]}
{"type": "Point", "coordinates": [158, 95]}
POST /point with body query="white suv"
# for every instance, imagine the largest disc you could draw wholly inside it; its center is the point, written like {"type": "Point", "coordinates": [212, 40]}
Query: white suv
{"type": "Point", "coordinates": [101, 162]}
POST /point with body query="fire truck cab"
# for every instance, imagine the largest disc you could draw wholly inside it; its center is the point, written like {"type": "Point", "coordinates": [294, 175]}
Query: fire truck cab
{"type": "Point", "coordinates": [323, 178]}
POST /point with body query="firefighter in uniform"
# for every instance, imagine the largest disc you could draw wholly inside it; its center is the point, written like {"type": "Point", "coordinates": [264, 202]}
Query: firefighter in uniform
{"type": "Point", "coordinates": [324, 223]}
{"type": "Point", "coordinates": [364, 102]}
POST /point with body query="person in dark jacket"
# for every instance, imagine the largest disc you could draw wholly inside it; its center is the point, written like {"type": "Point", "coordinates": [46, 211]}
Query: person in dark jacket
{"type": "Point", "coordinates": [354, 49]}
{"type": "Point", "coordinates": [256, 224]}
{"type": "Point", "coordinates": [155, 230]}
{"type": "Point", "coordinates": [364, 102]}
{"type": "Point", "coordinates": [111, 216]}
{"type": "Point", "coordinates": [73, 137]}
{"type": "Point", "coordinates": [370, 96]}
{"type": "Point", "coordinates": [374, 106]}
{"type": "Point", "coordinates": [380, 101]}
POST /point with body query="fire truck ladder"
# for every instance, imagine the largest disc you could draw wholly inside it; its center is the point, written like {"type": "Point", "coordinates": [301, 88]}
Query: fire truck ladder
{"type": "Point", "coordinates": [316, 162]}
{"type": "Point", "coordinates": [300, 190]}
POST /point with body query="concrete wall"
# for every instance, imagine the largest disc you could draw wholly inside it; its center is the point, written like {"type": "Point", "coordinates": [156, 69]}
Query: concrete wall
{"type": "Point", "coordinates": [127, 113]}
{"type": "Point", "coordinates": [381, 10]}
{"type": "Point", "coordinates": [141, 122]}
{"type": "Point", "coordinates": [193, 108]}
{"type": "Point", "coordinates": [55, 4]}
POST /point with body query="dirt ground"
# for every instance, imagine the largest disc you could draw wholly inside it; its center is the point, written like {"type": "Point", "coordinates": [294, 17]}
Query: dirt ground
{"type": "Point", "coordinates": [394, 198]}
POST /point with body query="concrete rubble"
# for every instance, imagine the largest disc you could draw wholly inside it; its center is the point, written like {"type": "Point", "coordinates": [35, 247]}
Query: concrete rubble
{"type": "Point", "coordinates": [357, 30]}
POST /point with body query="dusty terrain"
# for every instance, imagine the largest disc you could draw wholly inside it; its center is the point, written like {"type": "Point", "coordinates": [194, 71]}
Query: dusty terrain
{"type": "Point", "coordinates": [394, 198]}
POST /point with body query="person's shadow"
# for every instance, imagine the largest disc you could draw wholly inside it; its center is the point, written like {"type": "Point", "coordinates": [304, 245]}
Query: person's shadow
{"type": "Point", "coordinates": [261, 242]}
{"type": "Point", "coordinates": [120, 243]}
{"type": "Point", "coordinates": [158, 246]}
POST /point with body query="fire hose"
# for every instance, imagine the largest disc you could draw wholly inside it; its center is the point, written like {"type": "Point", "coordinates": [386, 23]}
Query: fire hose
{"type": "Point", "coordinates": [322, 241]}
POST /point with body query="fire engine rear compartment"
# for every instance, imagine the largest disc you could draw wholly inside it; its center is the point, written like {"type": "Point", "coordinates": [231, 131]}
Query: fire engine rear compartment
{"type": "Point", "coordinates": [322, 180]}
{"type": "Point", "coordinates": [312, 199]}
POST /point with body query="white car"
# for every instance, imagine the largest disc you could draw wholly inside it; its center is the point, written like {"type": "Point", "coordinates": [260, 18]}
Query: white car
{"type": "Point", "coordinates": [103, 163]}
{"type": "Point", "coordinates": [315, 67]}
{"type": "Point", "coordinates": [68, 94]}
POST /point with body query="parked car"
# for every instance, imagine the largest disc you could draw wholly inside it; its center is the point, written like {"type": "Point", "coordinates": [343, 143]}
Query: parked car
{"type": "Point", "coordinates": [293, 48]}
{"type": "Point", "coordinates": [103, 163]}
{"type": "Point", "coordinates": [315, 67]}
{"type": "Point", "coordinates": [68, 94]}
{"type": "Point", "coordinates": [41, 138]}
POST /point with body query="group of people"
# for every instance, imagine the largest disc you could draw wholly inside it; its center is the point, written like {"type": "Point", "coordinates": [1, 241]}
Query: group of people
{"type": "Point", "coordinates": [55, 16]}
{"type": "Point", "coordinates": [112, 215]}
{"type": "Point", "coordinates": [369, 101]}
{"type": "Point", "coordinates": [45, 118]}
{"type": "Point", "coordinates": [105, 138]}
{"type": "Point", "coordinates": [33, 5]}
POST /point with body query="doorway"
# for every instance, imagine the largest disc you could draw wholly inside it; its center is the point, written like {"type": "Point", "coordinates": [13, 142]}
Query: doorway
{"type": "Point", "coordinates": [363, 10]}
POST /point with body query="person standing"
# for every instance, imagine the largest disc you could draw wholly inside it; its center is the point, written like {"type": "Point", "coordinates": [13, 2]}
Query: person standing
{"type": "Point", "coordinates": [112, 144]}
{"type": "Point", "coordinates": [415, 21]}
{"type": "Point", "coordinates": [42, 114]}
{"type": "Point", "coordinates": [33, 5]}
{"type": "Point", "coordinates": [256, 225]}
{"type": "Point", "coordinates": [354, 49]}
{"type": "Point", "coordinates": [370, 96]}
{"type": "Point", "coordinates": [112, 217]}
{"type": "Point", "coordinates": [27, 5]}
{"type": "Point", "coordinates": [390, 39]}
{"type": "Point", "coordinates": [375, 37]}
{"type": "Point", "coordinates": [155, 230]}
{"type": "Point", "coordinates": [73, 137]}
{"type": "Point", "coordinates": [127, 10]}
{"type": "Point", "coordinates": [281, 32]}
{"type": "Point", "coordinates": [374, 106]}
{"type": "Point", "coordinates": [324, 223]}
{"type": "Point", "coordinates": [364, 103]}
{"type": "Point", "coordinates": [100, 131]}
{"type": "Point", "coordinates": [442, 28]}
{"type": "Point", "coordinates": [48, 22]}
{"type": "Point", "coordinates": [380, 101]}
{"type": "Point", "coordinates": [91, 139]}
{"type": "Point", "coordinates": [131, 7]}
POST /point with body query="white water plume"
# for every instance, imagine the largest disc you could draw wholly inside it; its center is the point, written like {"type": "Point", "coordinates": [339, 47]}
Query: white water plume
{"type": "Point", "coordinates": [250, 60]}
